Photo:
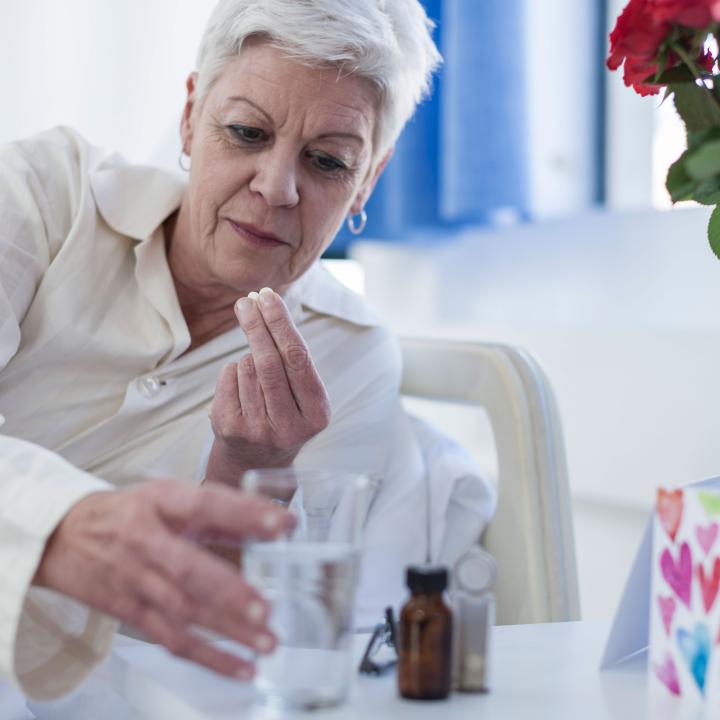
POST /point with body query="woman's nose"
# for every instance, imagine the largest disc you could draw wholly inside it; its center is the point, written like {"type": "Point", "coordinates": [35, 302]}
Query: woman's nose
{"type": "Point", "coordinates": [276, 179]}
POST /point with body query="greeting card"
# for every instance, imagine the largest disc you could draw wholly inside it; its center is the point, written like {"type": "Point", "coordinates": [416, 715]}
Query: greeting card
{"type": "Point", "coordinates": [684, 611]}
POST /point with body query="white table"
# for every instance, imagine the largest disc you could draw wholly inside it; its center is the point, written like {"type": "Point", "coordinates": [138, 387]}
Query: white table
{"type": "Point", "coordinates": [541, 672]}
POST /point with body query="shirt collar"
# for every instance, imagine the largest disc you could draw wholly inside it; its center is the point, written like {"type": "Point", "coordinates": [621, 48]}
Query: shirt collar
{"type": "Point", "coordinates": [318, 291]}
{"type": "Point", "coordinates": [135, 199]}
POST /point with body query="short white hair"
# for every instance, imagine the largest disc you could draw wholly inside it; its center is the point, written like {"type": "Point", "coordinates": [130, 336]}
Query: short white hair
{"type": "Point", "coordinates": [388, 42]}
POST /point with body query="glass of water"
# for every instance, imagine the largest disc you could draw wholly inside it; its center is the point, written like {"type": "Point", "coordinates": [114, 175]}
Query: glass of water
{"type": "Point", "coordinates": [310, 579]}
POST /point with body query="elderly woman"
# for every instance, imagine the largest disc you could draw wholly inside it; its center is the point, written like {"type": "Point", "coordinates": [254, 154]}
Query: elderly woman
{"type": "Point", "coordinates": [129, 312]}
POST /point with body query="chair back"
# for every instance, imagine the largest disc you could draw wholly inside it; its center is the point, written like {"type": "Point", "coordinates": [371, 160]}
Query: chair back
{"type": "Point", "coordinates": [531, 534]}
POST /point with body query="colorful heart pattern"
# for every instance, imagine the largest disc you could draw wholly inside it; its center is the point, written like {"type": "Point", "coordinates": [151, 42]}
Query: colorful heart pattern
{"type": "Point", "coordinates": [686, 579]}
{"type": "Point", "coordinates": [670, 510]}
{"type": "Point", "coordinates": [706, 536]}
{"type": "Point", "coordinates": [678, 575]}
{"type": "Point", "coordinates": [667, 611]}
{"type": "Point", "coordinates": [710, 502]}
{"type": "Point", "coordinates": [695, 650]}
{"type": "Point", "coordinates": [667, 674]}
{"type": "Point", "coordinates": [709, 585]}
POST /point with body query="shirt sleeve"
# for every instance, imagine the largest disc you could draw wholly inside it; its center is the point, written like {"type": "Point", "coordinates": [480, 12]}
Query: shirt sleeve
{"type": "Point", "coordinates": [37, 207]}
{"type": "Point", "coordinates": [48, 642]}
{"type": "Point", "coordinates": [371, 434]}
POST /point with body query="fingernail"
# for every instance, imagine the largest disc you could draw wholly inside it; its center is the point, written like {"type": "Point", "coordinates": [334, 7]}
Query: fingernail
{"type": "Point", "coordinates": [270, 521]}
{"type": "Point", "coordinates": [243, 308]}
{"type": "Point", "coordinates": [253, 295]}
{"type": "Point", "coordinates": [263, 643]}
{"type": "Point", "coordinates": [267, 297]}
{"type": "Point", "coordinates": [244, 674]}
{"type": "Point", "coordinates": [255, 611]}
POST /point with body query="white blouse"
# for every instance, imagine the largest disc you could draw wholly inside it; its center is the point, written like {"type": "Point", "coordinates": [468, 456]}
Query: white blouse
{"type": "Point", "coordinates": [96, 391]}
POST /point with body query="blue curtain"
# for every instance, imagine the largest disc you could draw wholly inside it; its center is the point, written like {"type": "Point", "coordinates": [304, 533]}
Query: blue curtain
{"type": "Point", "coordinates": [463, 156]}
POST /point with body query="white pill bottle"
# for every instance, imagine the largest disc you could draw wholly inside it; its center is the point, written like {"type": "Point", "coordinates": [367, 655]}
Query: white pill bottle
{"type": "Point", "coordinates": [473, 602]}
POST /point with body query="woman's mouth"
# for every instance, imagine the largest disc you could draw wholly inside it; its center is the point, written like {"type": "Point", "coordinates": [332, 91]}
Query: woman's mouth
{"type": "Point", "coordinates": [255, 236]}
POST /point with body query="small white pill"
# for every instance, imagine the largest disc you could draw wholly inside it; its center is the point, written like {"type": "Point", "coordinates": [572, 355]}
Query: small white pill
{"type": "Point", "coordinates": [255, 611]}
{"type": "Point", "coordinates": [270, 521]}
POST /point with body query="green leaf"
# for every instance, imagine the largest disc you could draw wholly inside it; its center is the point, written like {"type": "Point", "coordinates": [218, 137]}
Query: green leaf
{"type": "Point", "coordinates": [698, 138]}
{"type": "Point", "coordinates": [704, 162]}
{"type": "Point", "coordinates": [714, 238]}
{"type": "Point", "coordinates": [661, 63]}
{"type": "Point", "coordinates": [679, 74]}
{"type": "Point", "coordinates": [678, 183]}
{"type": "Point", "coordinates": [708, 192]}
{"type": "Point", "coordinates": [697, 106]}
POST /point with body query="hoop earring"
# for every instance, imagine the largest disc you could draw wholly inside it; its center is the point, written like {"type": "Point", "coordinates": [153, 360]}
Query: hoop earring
{"type": "Point", "coordinates": [352, 227]}
{"type": "Point", "coordinates": [184, 168]}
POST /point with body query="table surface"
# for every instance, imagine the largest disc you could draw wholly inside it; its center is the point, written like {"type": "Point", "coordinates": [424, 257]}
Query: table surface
{"type": "Point", "coordinates": [547, 671]}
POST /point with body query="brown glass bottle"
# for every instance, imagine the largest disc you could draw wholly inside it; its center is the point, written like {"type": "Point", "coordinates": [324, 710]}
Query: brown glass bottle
{"type": "Point", "coordinates": [425, 656]}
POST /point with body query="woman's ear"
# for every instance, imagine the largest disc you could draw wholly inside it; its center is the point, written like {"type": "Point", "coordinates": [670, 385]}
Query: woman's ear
{"type": "Point", "coordinates": [368, 185]}
{"type": "Point", "coordinates": [187, 123]}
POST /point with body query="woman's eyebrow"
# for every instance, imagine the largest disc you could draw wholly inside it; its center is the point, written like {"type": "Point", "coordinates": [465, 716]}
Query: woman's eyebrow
{"type": "Point", "coordinates": [343, 136]}
{"type": "Point", "coordinates": [243, 99]}
{"type": "Point", "coordinates": [340, 134]}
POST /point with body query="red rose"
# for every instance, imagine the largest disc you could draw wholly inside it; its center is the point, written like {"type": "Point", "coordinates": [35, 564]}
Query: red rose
{"type": "Point", "coordinates": [637, 72]}
{"type": "Point", "coordinates": [636, 34]}
{"type": "Point", "coordinates": [635, 40]}
{"type": "Point", "coordinates": [690, 13]}
{"type": "Point", "coordinates": [715, 10]}
{"type": "Point", "coordinates": [706, 61]}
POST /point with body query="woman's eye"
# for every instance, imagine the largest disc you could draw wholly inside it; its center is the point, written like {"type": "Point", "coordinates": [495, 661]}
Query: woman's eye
{"type": "Point", "coordinates": [248, 134]}
{"type": "Point", "coordinates": [327, 163]}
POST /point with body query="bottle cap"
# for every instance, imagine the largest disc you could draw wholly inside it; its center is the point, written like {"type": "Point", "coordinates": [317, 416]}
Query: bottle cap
{"type": "Point", "coordinates": [475, 572]}
{"type": "Point", "coordinates": [426, 578]}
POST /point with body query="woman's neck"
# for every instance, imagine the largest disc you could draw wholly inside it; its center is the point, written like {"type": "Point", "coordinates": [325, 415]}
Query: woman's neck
{"type": "Point", "coordinates": [207, 309]}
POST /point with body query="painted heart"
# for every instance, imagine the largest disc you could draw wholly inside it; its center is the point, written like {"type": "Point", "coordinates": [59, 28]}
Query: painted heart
{"type": "Point", "coordinates": [710, 502]}
{"type": "Point", "coordinates": [669, 510]}
{"type": "Point", "coordinates": [678, 575]}
{"type": "Point", "coordinates": [667, 674]}
{"type": "Point", "coordinates": [709, 585]}
{"type": "Point", "coordinates": [667, 610]}
{"type": "Point", "coordinates": [695, 649]}
{"type": "Point", "coordinates": [707, 536]}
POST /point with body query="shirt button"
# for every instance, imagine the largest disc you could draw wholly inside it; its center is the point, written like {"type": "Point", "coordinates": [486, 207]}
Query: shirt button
{"type": "Point", "coordinates": [149, 386]}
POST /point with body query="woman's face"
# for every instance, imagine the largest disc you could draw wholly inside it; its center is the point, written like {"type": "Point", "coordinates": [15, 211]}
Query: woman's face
{"type": "Point", "coordinates": [280, 154]}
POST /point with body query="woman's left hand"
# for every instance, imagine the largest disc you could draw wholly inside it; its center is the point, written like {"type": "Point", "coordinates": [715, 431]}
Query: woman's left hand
{"type": "Point", "coordinates": [268, 405]}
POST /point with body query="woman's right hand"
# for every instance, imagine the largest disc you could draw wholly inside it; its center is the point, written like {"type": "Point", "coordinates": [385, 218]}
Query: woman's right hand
{"type": "Point", "coordinates": [135, 554]}
{"type": "Point", "coordinates": [270, 403]}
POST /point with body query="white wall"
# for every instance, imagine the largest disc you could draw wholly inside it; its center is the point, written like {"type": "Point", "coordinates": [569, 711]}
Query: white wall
{"type": "Point", "coordinates": [629, 138]}
{"type": "Point", "coordinates": [114, 70]}
{"type": "Point", "coordinates": [562, 113]}
{"type": "Point", "coordinates": [621, 310]}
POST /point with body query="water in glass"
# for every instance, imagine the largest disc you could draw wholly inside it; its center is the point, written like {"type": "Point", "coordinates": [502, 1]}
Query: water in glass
{"type": "Point", "coordinates": [311, 586]}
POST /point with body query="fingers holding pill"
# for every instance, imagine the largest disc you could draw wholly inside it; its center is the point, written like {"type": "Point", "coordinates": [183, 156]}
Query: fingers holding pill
{"type": "Point", "coordinates": [276, 401]}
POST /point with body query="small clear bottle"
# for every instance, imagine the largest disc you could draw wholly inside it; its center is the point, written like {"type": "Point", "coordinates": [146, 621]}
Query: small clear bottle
{"type": "Point", "coordinates": [473, 602]}
{"type": "Point", "coordinates": [425, 653]}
